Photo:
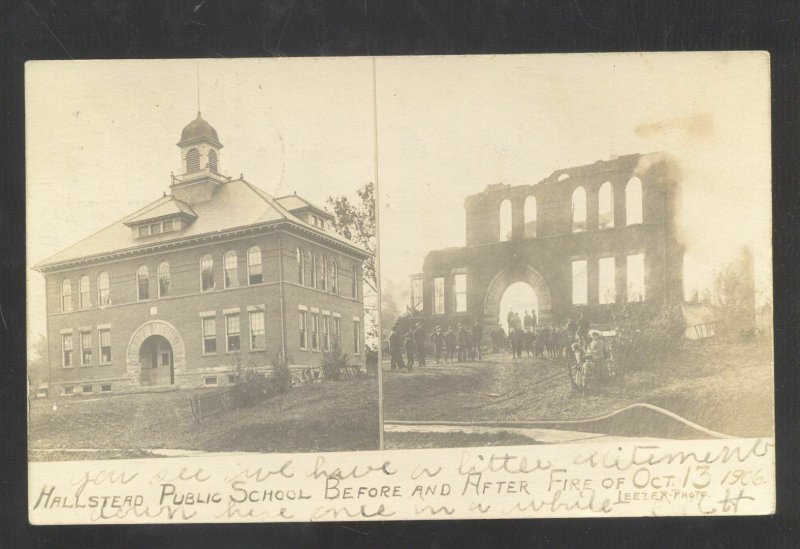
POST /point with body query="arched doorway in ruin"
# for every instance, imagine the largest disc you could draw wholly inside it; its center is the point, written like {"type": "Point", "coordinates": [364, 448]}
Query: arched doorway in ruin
{"type": "Point", "coordinates": [156, 353]}
{"type": "Point", "coordinates": [517, 288]}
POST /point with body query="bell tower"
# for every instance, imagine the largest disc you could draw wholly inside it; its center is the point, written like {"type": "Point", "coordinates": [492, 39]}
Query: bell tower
{"type": "Point", "coordinates": [200, 161]}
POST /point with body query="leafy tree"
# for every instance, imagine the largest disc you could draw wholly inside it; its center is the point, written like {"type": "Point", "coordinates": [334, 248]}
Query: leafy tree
{"type": "Point", "coordinates": [38, 366]}
{"type": "Point", "coordinates": [355, 220]}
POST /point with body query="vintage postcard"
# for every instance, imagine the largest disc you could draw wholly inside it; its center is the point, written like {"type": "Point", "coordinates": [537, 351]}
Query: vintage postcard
{"type": "Point", "coordinates": [399, 288]}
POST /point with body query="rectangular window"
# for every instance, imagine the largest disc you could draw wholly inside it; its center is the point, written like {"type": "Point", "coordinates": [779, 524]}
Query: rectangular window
{"type": "Point", "coordinates": [303, 324]}
{"type": "Point", "coordinates": [66, 350]}
{"type": "Point", "coordinates": [635, 272]}
{"type": "Point", "coordinates": [460, 293]}
{"type": "Point", "coordinates": [168, 226]}
{"type": "Point", "coordinates": [232, 333]}
{"type": "Point", "coordinates": [210, 381]}
{"type": "Point", "coordinates": [209, 336]}
{"type": "Point", "coordinates": [86, 348]}
{"type": "Point", "coordinates": [143, 230]}
{"type": "Point", "coordinates": [231, 379]}
{"type": "Point", "coordinates": [607, 281]}
{"type": "Point", "coordinates": [356, 336]}
{"type": "Point", "coordinates": [438, 295]}
{"type": "Point", "coordinates": [155, 228]}
{"type": "Point", "coordinates": [258, 339]}
{"type": "Point", "coordinates": [105, 346]}
{"type": "Point", "coordinates": [337, 332]}
{"type": "Point", "coordinates": [315, 331]}
{"type": "Point", "coordinates": [105, 388]}
{"type": "Point", "coordinates": [416, 294]}
{"type": "Point", "coordinates": [87, 389]}
{"type": "Point", "coordinates": [326, 335]}
{"type": "Point", "coordinates": [579, 283]}
{"type": "Point", "coordinates": [68, 389]}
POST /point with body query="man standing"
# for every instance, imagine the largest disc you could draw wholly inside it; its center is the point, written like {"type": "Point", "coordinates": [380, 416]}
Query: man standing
{"type": "Point", "coordinates": [410, 349]}
{"type": "Point", "coordinates": [477, 340]}
{"type": "Point", "coordinates": [450, 342]}
{"type": "Point", "coordinates": [583, 331]}
{"type": "Point", "coordinates": [527, 321]}
{"type": "Point", "coordinates": [462, 343]}
{"type": "Point", "coordinates": [396, 348]}
{"type": "Point", "coordinates": [438, 342]}
{"type": "Point", "coordinates": [510, 320]}
{"type": "Point", "coordinates": [419, 341]}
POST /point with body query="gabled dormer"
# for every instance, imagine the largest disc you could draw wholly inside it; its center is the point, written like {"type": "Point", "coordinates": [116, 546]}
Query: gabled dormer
{"type": "Point", "coordinates": [306, 211]}
{"type": "Point", "coordinates": [169, 215]}
{"type": "Point", "coordinates": [200, 161]}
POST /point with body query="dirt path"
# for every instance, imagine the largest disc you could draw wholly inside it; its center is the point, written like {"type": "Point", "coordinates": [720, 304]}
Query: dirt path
{"type": "Point", "coordinates": [723, 388]}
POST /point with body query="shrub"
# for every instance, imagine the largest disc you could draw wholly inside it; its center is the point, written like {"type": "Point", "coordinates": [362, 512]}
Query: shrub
{"type": "Point", "coordinates": [249, 386]}
{"type": "Point", "coordinates": [332, 363]}
{"type": "Point", "coordinates": [372, 360]}
{"type": "Point", "coordinates": [646, 333]}
{"type": "Point", "coordinates": [281, 380]}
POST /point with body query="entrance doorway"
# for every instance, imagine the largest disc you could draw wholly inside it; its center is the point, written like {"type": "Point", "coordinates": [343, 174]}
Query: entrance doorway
{"type": "Point", "coordinates": [518, 298]}
{"type": "Point", "coordinates": [155, 356]}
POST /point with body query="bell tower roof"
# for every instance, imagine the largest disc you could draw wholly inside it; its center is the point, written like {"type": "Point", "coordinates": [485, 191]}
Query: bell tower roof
{"type": "Point", "coordinates": [197, 131]}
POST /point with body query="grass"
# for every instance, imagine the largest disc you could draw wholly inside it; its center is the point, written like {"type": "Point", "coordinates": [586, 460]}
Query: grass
{"type": "Point", "coordinates": [329, 416]}
{"type": "Point", "coordinates": [724, 387]}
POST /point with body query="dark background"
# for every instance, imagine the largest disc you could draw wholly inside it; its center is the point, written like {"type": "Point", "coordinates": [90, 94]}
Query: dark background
{"type": "Point", "coordinates": [52, 29]}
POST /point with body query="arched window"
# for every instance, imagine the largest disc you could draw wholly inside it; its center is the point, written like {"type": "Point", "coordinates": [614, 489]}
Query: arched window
{"type": "Point", "coordinates": [334, 277]}
{"type": "Point", "coordinates": [83, 292]}
{"type": "Point", "coordinates": [354, 289]}
{"type": "Point", "coordinates": [323, 273]}
{"type": "Point", "coordinates": [142, 283]}
{"type": "Point", "coordinates": [103, 290]}
{"type": "Point", "coordinates": [230, 269]}
{"type": "Point", "coordinates": [310, 271]}
{"type": "Point", "coordinates": [163, 279]}
{"type": "Point", "coordinates": [505, 220]}
{"type": "Point", "coordinates": [633, 201]}
{"type": "Point", "coordinates": [212, 160]}
{"type": "Point", "coordinates": [578, 210]}
{"type": "Point", "coordinates": [313, 281]}
{"type": "Point", "coordinates": [206, 273]}
{"type": "Point", "coordinates": [605, 206]}
{"type": "Point", "coordinates": [192, 160]}
{"type": "Point", "coordinates": [254, 271]}
{"type": "Point", "coordinates": [530, 216]}
{"type": "Point", "coordinates": [66, 295]}
{"type": "Point", "coordinates": [301, 266]}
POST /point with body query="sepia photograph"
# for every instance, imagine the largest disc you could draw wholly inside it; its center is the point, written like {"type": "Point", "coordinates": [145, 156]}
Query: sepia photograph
{"type": "Point", "coordinates": [201, 243]}
{"type": "Point", "coordinates": [575, 248]}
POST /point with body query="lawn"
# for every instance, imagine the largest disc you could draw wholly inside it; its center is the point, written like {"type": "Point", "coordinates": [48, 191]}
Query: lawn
{"type": "Point", "coordinates": [724, 387]}
{"type": "Point", "coordinates": [329, 416]}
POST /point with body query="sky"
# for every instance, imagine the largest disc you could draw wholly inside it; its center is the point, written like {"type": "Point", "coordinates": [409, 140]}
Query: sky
{"type": "Point", "coordinates": [101, 140]}
{"type": "Point", "coordinates": [450, 126]}
{"type": "Point", "coordinates": [101, 137]}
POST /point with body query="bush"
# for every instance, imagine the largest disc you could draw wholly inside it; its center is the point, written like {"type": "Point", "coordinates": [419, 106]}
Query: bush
{"type": "Point", "coordinates": [646, 333]}
{"type": "Point", "coordinates": [281, 380]}
{"type": "Point", "coordinates": [332, 363]}
{"type": "Point", "coordinates": [249, 386]}
{"type": "Point", "coordinates": [372, 360]}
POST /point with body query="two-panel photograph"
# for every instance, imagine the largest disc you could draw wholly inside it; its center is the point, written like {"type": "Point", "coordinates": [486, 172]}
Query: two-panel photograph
{"type": "Point", "coordinates": [234, 258]}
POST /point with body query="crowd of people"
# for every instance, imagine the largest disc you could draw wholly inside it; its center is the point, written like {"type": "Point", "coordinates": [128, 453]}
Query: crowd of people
{"type": "Point", "coordinates": [464, 341]}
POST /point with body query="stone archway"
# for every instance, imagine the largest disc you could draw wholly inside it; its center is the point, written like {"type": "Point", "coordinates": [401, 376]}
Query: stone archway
{"type": "Point", "coordinates": [154, 327]}
{"type": "Point", "coordinates": [507, 277]}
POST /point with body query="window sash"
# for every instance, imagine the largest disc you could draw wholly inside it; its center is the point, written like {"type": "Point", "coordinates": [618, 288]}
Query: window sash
{"type": "Point", "coordinates": [257, 332]}
{"type": "Point", "coordinates": [66, 350]}
{"type": "Point", "coordinates": [86, 348]}
{"type": "Point", "coordinates": [356, 336]}
{"type": "Point", "coordinates": [104, 337]}
{"type": "Point", "coordinates": [315, 331]}
{"type": "Point", "coordinates": [232, 332]}
{"type": "Point", "coordinates": [303, 322]}
{"type": "Point", "coordinates": [326, 342]}
{"type": "Point", "coordinates": [209, 327]}
{"type": "Point", "coordinates": [460, 293]}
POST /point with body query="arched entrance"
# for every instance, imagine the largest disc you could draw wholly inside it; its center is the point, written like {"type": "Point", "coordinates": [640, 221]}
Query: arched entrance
{"type": "Point", "coordinates": [520, 299]}
{"type": "Point", "coordinates": [155, 357]}
{"type": "Point", "coordinates": [156, 354]}
{"type": "Point", "coordinates": [520, 288]}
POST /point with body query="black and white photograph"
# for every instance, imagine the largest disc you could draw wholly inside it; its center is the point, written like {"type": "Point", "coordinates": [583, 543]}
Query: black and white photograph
{"type": "Point", "coordinates": [201, 258]}
{"type": "Point", "coordinates": [575, 248]}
